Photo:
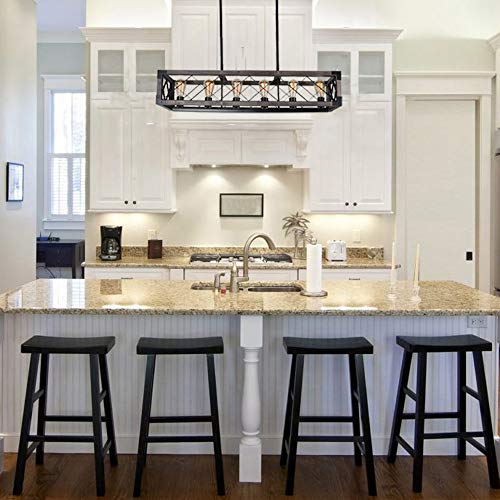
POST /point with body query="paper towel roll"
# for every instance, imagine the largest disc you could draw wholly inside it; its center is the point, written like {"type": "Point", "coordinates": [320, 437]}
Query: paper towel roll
{"type": "Point", "coordinates": [314, 268]}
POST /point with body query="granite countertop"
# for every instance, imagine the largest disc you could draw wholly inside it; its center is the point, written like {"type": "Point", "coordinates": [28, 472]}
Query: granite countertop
{"type": "Point", "coordinates": [345, 298]}
{"type": "Point", "coordinates": [182, 262]}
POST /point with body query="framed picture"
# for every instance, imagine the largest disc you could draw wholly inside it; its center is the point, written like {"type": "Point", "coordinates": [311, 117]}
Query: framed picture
{"type": "Point", "coordinates": [241, 205]}
{"type": "Point", "coordinates": [15, 181]}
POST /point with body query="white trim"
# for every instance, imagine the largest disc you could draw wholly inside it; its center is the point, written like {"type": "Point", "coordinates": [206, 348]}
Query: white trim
{"type": "Point", "coordinates": [64, 82]}
{"type": "Point", "coordinates": [73, 36]}
{"type": "Point", "coordinates": [495, 41]}
{"type": "Point", "coordinates": [127, 35]}
{"type": "Point", "coordinates": [355, 35]}
{"type": "Point", "coordinates": [476, 86]}
{"type": "Point", "coordinates": [63, 225]}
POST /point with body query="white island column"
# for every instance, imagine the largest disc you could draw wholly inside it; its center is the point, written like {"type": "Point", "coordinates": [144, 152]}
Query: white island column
{"type": "Point", "coordinates": [251, 443]}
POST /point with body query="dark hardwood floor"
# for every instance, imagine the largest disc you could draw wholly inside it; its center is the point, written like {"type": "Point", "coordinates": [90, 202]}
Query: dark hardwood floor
{"type": "Point", "coordinates": [191, 477]}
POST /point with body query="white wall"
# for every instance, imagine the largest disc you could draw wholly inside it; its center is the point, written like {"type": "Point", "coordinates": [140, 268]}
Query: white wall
{"type": "Point", "coordinates": [18, 139]}
{"type": "Point", "coordinates": [198, 223]}
{"type": "Point", "coordinates": [54, 59]}
{"type": "Point", "coordinates": [129, 13]}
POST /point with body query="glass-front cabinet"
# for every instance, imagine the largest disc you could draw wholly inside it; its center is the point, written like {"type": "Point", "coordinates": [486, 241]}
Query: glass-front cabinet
{"type": "Point", "coordinates": [366, 72]}
{"type": "Point", "coordinates": [118, 68]}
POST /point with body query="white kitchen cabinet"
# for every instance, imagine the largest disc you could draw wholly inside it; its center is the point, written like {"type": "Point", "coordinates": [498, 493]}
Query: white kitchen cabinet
{"type": "Point", "coordinates": [129, 169]}
{"type": "Point", "coordinates": [273, 274]}
{"type": "Point", "coordinates": [351, 274]}
{"type": "Point", "coordinates": [217, 147]}
{"type": "Point", "coordinates": [350, 152]}
{"type": "Point", "coordinates": [204, 274]}
{"type": "Point", "coordinates": [271, 147]}
{"type": "Point", "coordinates": [141, 273]}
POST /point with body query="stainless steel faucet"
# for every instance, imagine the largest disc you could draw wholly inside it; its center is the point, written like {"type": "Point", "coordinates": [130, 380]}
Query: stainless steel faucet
{"type": "Point", "coordinates": [235, 279]}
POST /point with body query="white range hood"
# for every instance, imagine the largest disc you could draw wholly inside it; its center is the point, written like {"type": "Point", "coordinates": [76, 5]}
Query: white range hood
{"type": "Point", "coordinates": [239, 139]}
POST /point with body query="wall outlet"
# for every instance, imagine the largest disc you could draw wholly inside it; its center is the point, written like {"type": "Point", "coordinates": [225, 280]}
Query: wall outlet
{"type": "Point", "coordinates": [356, 235]}
{"type": "Point", "coordinates": [476, 322]}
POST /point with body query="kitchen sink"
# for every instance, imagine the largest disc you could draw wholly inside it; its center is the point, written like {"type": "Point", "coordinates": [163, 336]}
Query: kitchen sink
{"type": "Point", "coordinates": [275, 288]}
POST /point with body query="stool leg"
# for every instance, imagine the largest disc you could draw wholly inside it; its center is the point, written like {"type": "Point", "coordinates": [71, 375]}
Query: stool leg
{"type": "Point", "coordinates": [108, 409]}
{"type": "Point", "coordinates": [294, 429]}
{"type": "Point", "coordinates": [26, 424]}
{"type": "Point", "coordinates": [145, 418]}
{"type": "Point", "coordinates": [418, 461]}
{"type": "Point", "coordinates": [42, 407]}
{"type": "Point", "coordinates": [214, 410]}
{"type": "Point", "coordinates": [288, 415]}
{"type": "Point", "coordinates": [365, 421]}
{"type": "Point", "coordinates": [484, 406]}
{"type": "Point", "coordinates": [97, 425]}
{"type": "Point", "coordinates": [461, 399]}
{"type": "Point", "coordinates": [356, 431]}
{"type": "Point", "coordinates": [399, 409]}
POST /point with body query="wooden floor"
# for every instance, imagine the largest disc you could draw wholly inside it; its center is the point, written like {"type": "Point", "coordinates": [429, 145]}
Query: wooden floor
{"type": "Point", "coordinates": [191, 477]}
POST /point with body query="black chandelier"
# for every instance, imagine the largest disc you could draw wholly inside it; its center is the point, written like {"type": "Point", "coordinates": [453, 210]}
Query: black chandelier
{"type": "Point", "coordinates": [250, 91]}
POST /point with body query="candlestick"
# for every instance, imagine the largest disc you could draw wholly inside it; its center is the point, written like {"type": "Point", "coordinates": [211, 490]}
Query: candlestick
{"type": "Point", "coordinates": [393, 263]}
{"type": "Point", "coordinates": [416, 273]}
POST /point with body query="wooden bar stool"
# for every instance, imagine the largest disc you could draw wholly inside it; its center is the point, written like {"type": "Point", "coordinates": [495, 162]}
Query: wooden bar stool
{"type": "Point", "coordinates": [355, 348]}
{"type": "Point", "coordinates": [151, 347]}
{"type": "Point", "coordinates": [460, 344]}
{"type": "Point", "coordinates": [97, 348]}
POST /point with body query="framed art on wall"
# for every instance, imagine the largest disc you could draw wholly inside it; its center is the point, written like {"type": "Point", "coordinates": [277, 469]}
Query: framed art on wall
{"type": "Point", "coordinates": [241, 205]}
{"type": "Point", "coordinates": [15, 181]}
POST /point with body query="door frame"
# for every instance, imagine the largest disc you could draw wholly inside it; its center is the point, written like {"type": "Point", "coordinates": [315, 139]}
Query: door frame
{"type": "Point", "coordinates": [473, 86]}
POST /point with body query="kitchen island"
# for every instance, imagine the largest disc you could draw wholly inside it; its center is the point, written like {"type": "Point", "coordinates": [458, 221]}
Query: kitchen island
{"type": "Point", "coordinates": [253, 372]}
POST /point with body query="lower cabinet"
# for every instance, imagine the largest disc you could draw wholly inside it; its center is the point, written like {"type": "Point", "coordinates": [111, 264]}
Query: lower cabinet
{"type": "Point", "coordinates": [254, 274]}
{"type": "Point", "coordinates": [126, 273]}
{"type": "Point", "coordinates": [352, 275]}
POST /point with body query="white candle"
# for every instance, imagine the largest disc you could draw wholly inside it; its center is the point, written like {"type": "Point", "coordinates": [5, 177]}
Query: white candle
{"type": "Point", "coordinates": [314, 268]}
{"type": "Point", "coordinates": [416, 273]}
{"type": "Point", "coordinates": [393, 263]}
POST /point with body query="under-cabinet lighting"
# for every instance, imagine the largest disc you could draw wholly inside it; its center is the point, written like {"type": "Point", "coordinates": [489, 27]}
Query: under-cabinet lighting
{"type": "Point", "coordinates": [214, 165]}
{"type": "Point", "coordinates": [266, 166]}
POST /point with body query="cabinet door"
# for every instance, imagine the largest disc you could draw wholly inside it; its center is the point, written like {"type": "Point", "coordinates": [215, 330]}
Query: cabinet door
{"type": "Point", "coordinates": [126, 273]}
{"type": "Point", "coordinates": [329, 175]}
{"type": "Point", "coordinates": [374, 73]}
{"type": "Point", "coordinates": [203, 274]}
{"type": "Point", "coordinates": [151, 175]}
{"type": "Point", "coordinates": [337, 60]}
{"type": "Point", "coordinates": [272, 274]}
{"type": "Point", "coordinates": [295, 37]}
{"type": "Point", "coordinates": [194, 37]}
{"type": "Point", "coordinates": [218, 147]}
{"type": "Point", "coordinates": [145, 61]}
{"type": "Point", "coordinates": [109, 155]}
{"type": "Point", "coordinates": [371, 157]}
{"type": "Point", "coordinates": [109, 70]}
{"type": "Point", "coordinates": [267, 147]}
{"type": "Point", "coordinates": [244, 42]}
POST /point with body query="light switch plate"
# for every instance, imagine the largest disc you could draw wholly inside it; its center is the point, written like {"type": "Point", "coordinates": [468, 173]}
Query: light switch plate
{"type": "Point", "coordinates": [356, 235]}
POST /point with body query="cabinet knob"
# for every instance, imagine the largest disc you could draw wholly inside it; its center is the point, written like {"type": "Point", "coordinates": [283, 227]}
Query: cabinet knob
{"type": "Point", "coordinates": [346, 203]}
{"type": "Point", "coordinates": [134, 202]}
{"type": "Point", "coordinates": [355, 204]}
{"type": "Point", "coordinates": [126, 202]}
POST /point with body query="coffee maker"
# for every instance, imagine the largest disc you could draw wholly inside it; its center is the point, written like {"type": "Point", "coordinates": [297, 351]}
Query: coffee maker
{"type": "Point", "coordinates": [111, 242]}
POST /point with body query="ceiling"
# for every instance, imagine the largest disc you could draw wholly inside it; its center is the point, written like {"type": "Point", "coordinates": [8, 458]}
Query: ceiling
{"type": "Point", "coordinates": [60, 16]}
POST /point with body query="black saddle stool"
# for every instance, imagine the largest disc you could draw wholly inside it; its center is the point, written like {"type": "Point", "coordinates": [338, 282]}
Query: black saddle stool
{"type": "Point", "coordinates": [151, 347]}
{"type": "Point", "coordinates": [355, 348]}
{"type": "Point", "coordinates": [460, 344]}
{"type": "Point", "coordinates": [97, 349]}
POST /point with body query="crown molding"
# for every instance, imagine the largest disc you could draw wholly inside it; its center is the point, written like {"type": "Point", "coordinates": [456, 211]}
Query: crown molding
{"type": "Point", "coordinates": [495, 41]}
{"type": "Point", "coordinates": [153, 35]}
{"type": "Point", "coordinates": [355, 35]}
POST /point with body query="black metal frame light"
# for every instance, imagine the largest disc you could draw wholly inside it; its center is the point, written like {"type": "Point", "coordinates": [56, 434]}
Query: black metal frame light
{"type": "Point", "coordinates": [249, 91]}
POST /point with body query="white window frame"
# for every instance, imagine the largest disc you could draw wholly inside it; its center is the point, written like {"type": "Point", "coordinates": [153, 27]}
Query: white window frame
{"type": "Point", "coordinates": [51, 83]}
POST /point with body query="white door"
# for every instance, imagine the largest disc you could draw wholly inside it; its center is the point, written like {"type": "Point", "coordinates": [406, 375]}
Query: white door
{"type": "Point", "coordinates": [371, 157]}
{"type": "Point", "coordinates": [151, 175]}
{"type": "Point", "coordinates": [440, 188]}
{"type": "Point", "coordinates": [109, 155]}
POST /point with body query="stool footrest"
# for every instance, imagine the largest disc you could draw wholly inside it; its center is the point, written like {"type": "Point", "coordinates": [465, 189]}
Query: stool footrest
{"type": "Point", "coordinates": [61, 438]}
{"type": "Point", "coordinates": [106, 447]}
{"type": "Point", "coordinates": [31, 448]}
{"type": "Point", "coordinates": [361, 447]}
{"type": "Point", "coordinates": [410, 393]}
{"type": "Point", "coordinates": [180, 419]}
{"type": "Point", "coordinates": [477, 445]}
{"type": "Point", "coordinates": [38, 394]}
{"type": "Point", "coordinates": [180, 439]}
{"type": "Point", "coordinates": [102, 395]}
{"type": "Point", "coordinates": [452, 435]}
{"type": "Point", "coordinates": [406, 445]}
{"type": "Point", "coordinates": [442, 414]}
{"type": "Point", "coordinates": [331, 439]}
{"type": "Point", "coordinates": [326, 419]}
{"type": "Point", "coordinates": [71, 418]}
{"type": "Point", "coordinates": [471, 392]}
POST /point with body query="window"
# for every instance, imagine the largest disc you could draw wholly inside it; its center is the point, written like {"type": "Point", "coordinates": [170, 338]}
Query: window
{"type": "Point", "coordinates": [65, 133]}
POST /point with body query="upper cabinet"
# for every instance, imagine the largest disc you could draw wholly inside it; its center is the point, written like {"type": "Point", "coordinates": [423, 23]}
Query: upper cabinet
{"type": "Point", "coordinates": [495, 44]}
{"type": "Point", "coordinates": [249, 34]}
{"type": "Point", "coordinates": [350, 151]}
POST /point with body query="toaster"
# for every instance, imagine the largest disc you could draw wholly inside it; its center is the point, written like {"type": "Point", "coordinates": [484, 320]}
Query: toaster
{"type": "Point", "coordinates": [336, 250]}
